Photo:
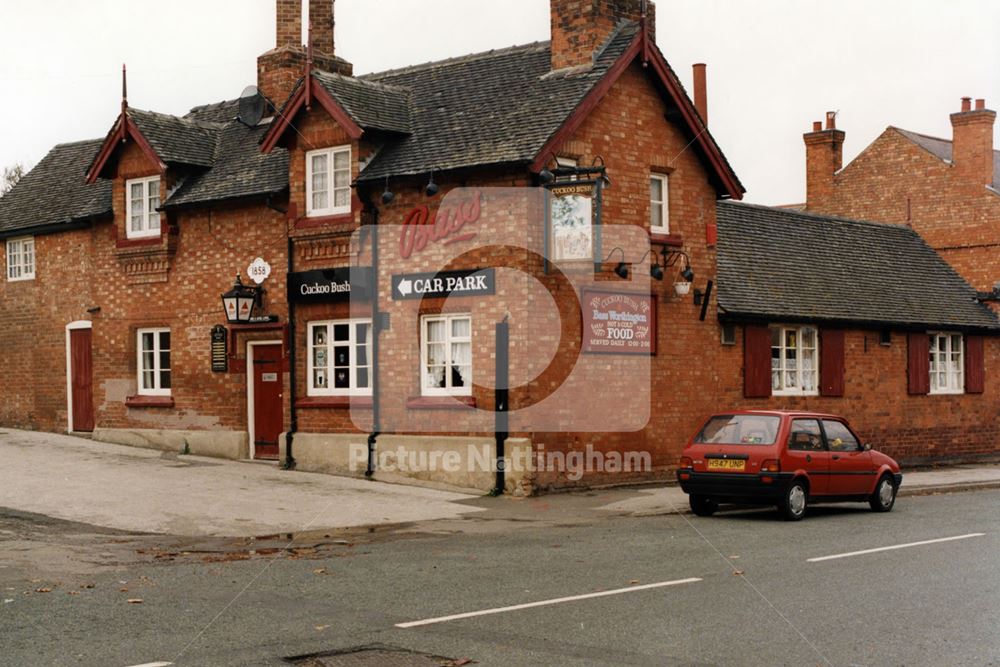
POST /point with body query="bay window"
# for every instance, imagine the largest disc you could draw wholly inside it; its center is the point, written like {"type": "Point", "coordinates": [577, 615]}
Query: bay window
{"type": "Point", "coordinates": [446, 355]}
{"type": "Point", "coordinates": [340, 358]}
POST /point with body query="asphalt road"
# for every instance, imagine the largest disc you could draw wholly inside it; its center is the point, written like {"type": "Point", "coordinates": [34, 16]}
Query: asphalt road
{"type": "Point", "coordinates": [754, 597]}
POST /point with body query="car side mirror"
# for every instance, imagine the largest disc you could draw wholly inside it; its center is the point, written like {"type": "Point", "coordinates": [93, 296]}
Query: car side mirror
{"type": "Point", "coordinates": [867, 446]}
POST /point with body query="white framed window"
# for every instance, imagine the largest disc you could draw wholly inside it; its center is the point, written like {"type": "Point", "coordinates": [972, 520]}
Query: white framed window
{"type": "Point", "coordinates": [142, 198]}
{"type": "Point", "coordinates": [328, 181]}
{"type": "Point", "coordinates": [947, 363]}
{"type": "Point", "coordinates": [340, 361]}
{"type": "Point", "coordinates": [794, 361]}
{"type": "Point", "coordinates": [659, 203]}
{"type": "Point", "coordinates": [153, 348]}
{"type": "Point", "coordinates": [21, 258]}
{"type": "Point", "coordinates": [446, 355]}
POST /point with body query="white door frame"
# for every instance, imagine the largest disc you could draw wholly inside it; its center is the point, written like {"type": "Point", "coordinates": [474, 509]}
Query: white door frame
{"type": "Point", "coordinates": [251, 344]}
{"type": "Point", "coordinates": [72, 326]}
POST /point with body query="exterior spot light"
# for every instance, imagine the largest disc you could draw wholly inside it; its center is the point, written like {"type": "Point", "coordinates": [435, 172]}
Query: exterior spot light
{"type": "Point", "coordinates": [656, 272]}
{"type": "Point", "coordinates": [387, 195]}
{"type": "Point", "coordinates": [621, 269]}
{"type": "Point", "coordinates": [545, 176]}
{"type": "Point", "coordinates": [432, 187]}
{"type": "Point", "coordinates": [687, 274]}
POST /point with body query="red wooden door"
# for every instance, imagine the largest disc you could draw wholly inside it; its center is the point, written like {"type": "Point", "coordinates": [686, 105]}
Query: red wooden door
{"type": "Point", "coordinates": [81, 380]}
{"type": "Point", "coordinates": [267, 393]}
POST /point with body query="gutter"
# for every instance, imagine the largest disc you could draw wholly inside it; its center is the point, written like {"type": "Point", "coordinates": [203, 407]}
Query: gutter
{"type": "Point", "coordinates": [376, 334]}
{"type": "Point", "coordinates": [52, 228]}
{"type": "Point", "coordinates": [293, 415]}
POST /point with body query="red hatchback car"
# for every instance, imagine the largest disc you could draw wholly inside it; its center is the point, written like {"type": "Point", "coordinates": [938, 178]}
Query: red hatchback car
{"type": "Point", "coordinates": [787, 459]}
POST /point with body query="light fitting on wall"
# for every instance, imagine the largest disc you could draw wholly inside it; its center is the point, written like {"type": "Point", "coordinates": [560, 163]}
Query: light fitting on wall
{"type": "Point", "coordinates": [387, 195]}
{"type": "Point", "coordinates": [431, 188]}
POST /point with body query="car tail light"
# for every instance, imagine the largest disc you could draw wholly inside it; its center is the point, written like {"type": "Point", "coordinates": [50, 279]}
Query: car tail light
{"type": "Point", "coordinates": [686, 462]}
{"type": "Point", "coordinates": [771, 465]}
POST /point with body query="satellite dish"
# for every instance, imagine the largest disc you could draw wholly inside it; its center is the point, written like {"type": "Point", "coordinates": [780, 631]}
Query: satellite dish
{"type": "Point", "coordinates": [252, 106]}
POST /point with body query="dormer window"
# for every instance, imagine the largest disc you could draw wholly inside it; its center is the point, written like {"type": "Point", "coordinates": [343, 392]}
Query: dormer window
{"type": "Point", "coordinates": [142, 198]}
{"type": "Point", "coordinates": [328, 181]}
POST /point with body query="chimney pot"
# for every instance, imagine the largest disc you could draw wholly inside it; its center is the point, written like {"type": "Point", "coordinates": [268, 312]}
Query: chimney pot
{"type": "Point", "coordinates": [831, 120]}
{"type": "Point", "coordinates": [966, 104]}
{"type": "Point", "coordinates": [980, 104]}
{"type": "Point", "coordinates": [579, 27]}
{"type": "Point", "coordinates": [817, 126]}
{"type": "Point", "coordinates": [701, 91]}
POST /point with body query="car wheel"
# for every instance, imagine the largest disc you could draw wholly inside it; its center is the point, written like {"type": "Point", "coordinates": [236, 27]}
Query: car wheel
{"type": "Point", "coordinates": [885, 495]}
{"type": "Point", "coordinates": [793, 504]}
{"type": "Point", "coordinates": [703, 505]}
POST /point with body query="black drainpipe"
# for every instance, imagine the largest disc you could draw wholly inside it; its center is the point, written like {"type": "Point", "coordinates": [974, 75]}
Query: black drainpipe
{"type": "Point", "coordinates": [293, 415]}
{"type": "Point", "coordinates": [376, 332]}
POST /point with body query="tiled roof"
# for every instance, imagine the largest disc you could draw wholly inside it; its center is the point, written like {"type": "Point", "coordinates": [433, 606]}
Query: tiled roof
{"type": "Point", "coordinates": [373, 106]}
{"type": "Point", "coordinates": [488, 108]}
{"type": "Point", "coordinates": [240, 170]}
{"type": "Point", "coordinates": [942, 149]}
{"type": "Point", "coordinates": [776, 264]}
{"type": "Point", "coordinates": [177, 140]}
{"type": "Point", "coordinates": [55, 192]}
{"type": "Point", "coordinates": [219, 112]}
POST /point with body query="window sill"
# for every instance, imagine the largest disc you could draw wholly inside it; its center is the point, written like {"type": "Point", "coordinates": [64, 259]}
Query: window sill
{"type": "Point", "coordinates": [658, 238]}
{"type": "Point", "coordinates": [794, 393]}
{"type": "Point", "coordinates": [946, 392]}
{"type": "Point", "coordinates": [139, 241]}
{"type": "Point", "coordinates": [23, 279]}
{"type": "Point", "coordinates": [440, 402]}
{"type": "Point", "coordinates": [334, 402]}
{"type": "Point", "coordinates": [149, 402]}
{"type": "Point", "coordinates": [333, 219]}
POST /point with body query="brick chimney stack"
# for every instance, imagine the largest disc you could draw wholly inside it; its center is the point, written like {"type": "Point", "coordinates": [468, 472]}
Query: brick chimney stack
{"type": "Point", "coordinates": [579, 27]}
{"type": "Point", "coordinates": [279, 69]}
{"type": "Point", "coordinates": [972, 142]}
{"type": "Point", "coordinates": [701, 91]}
{"type": "Point", "coordinates": [824, 157]}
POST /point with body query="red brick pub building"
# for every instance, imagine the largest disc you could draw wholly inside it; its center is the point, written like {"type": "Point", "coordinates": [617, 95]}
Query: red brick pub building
{"type": "Point", "coordinates": [116, 252]}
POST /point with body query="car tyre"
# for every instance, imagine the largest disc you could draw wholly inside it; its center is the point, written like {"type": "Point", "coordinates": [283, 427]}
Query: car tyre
{"type": "Point", "coordinates": [793, 504]}
{"type": "Point", "coordinates": [884, 497]}
{"type": "Point", "coordinates": [703, 505]}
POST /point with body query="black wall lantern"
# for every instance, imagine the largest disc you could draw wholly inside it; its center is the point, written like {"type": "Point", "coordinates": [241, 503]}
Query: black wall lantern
{"type": "Point", "coordinates": [240, 301]}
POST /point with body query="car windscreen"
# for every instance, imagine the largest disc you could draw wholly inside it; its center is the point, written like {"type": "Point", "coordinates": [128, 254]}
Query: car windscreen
{"type": "Point", "coordinates": [739, 430]}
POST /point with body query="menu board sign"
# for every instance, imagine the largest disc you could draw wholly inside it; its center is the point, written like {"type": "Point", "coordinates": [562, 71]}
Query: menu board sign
{"type": "Point", "coordinates": [618, 322]}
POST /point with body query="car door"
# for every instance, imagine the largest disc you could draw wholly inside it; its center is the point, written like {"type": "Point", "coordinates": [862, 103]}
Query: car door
{"type": "Point", "coordinates": [805, 450]}
{"type": "Point", "coordinates": [851, 472]}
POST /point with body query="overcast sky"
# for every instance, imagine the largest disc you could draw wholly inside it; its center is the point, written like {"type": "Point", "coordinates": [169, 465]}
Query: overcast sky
{"type": "Point", "coordinates": [774, 66]}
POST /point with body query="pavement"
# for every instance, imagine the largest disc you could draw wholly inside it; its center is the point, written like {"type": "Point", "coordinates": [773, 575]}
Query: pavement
{"type": "Point", "coordinates": [144, 491]}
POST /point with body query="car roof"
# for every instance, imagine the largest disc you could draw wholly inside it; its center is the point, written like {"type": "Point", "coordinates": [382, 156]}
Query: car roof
{"type": "Point", "coordinates": [783, 413]}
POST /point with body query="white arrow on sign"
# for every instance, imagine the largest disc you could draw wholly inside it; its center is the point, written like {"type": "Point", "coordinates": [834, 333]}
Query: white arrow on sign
{"type": "Point", "coordinates": [405, 287]}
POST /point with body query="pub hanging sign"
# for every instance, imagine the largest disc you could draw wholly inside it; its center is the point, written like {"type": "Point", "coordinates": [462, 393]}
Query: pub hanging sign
{"type": "Point", "coordinates": [573, 217]}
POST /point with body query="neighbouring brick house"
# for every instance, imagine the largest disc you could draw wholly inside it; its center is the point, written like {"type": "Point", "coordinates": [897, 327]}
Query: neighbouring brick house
{"type": "Point", "coordinates": [948, 190]}
{"type": "Point", "coordinates": [117, 251]}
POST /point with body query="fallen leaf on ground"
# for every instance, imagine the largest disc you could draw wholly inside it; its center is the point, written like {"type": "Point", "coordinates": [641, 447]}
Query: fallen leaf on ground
{"type": "Point", "coordinates": [43, 590]}
{"type": "Point", "coordinates": [633, 581]}
{"type": "Point", "coordinates": [320, 570]}
{"type": "Point", "coordinates": [72, 592]}
{"type": "Point", "coordinates": [321, 628]}
{"type": "Point", "coordinates": [123, 590]}
{"type": "Point", "coordinates": [738, 573]}
{"type": "Point", "coordinates": [88, 586]}
{"type": "Point", "coordinates": [135, 600]}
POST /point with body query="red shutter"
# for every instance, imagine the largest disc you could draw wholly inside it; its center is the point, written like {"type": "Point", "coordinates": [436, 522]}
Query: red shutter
{"type": "Point", "coordinates": [756, 361]}
{"type": "Point", "coordinates": [831, 362]}
{"type": "Point", "coordinates": [975, 373]}
{"type": "Point", "coordinates": [918, 363]}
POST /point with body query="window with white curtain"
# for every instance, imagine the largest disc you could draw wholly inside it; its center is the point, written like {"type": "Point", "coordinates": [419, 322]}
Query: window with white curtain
{"type": "Point", "coordinates": [142, 198]}
{"type": "Point", "coordinates": [794, 361]}
{"type": "Point", "coordinates": [328, 181]}
{"type": "Point", "coordinates": [21, 258]}
{"type": "Point", "coordinates": [446, 355]}
{"type": "Point", "coordinates": [154, 362]}
{"type": "Point", "coordinates": [947, 363]}
{"type": "Point", "coordinates": [659, 203]}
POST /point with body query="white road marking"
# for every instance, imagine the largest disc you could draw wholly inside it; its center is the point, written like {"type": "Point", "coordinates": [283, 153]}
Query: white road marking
{"type": "Point", "coordinates": [154, 664]}
{"type": "Point", "coordinates": [898, 546]}
{"type": "Point", "coordinates": [543, 603]}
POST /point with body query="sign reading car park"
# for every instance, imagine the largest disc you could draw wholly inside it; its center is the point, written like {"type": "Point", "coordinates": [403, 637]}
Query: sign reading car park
{"type": "Point", "coordinates": [475, 282]}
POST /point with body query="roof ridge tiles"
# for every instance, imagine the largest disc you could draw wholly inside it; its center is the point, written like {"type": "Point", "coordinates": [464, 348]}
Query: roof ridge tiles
{"type": "Point", "coordinates": [456, 60]}
{"type": "Point", "coordinates": [793, 213]}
